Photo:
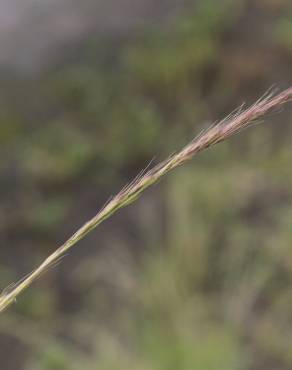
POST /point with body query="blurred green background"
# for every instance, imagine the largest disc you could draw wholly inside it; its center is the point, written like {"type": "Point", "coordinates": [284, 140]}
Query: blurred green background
{"type": "Point", "coordinates": [197, 274]}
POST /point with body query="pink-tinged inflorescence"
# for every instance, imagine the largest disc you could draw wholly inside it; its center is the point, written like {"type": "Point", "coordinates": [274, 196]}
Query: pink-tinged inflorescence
{"type": "Point", "coordinates": [221, 131]}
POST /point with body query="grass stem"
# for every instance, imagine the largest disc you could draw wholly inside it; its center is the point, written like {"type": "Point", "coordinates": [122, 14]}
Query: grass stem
{"type": "Point", "coordinates": [221, 131]}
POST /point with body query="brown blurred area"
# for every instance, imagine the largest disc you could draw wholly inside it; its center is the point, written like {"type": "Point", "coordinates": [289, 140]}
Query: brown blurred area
{"type": "Point", "coordinates": [197, 274]}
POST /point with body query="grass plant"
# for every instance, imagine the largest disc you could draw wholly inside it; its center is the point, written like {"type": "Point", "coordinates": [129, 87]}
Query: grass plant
{"type": "Point", "coordinates": [224, 129]}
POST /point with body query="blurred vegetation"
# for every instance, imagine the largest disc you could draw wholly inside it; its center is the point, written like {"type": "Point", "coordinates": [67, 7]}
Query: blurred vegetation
{"type": "Point", "coordinates": [198, 273]}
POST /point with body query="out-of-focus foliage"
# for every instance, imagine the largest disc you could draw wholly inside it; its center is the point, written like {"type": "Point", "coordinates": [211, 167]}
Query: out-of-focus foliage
{"type": "Point", "coordinates": [198, 273]}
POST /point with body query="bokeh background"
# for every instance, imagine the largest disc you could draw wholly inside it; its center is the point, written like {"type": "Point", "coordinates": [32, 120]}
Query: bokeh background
{"type": "Point", "coordinates": [196, 275]}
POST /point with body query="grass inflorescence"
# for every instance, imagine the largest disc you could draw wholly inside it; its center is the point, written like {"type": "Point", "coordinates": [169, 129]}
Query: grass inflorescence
{"type": "Point", "coordinates": [220, 131]}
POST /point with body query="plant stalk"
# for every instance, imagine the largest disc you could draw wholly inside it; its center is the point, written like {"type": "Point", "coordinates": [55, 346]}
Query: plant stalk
{"type": "Point", "coordinates": [221, 131]}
